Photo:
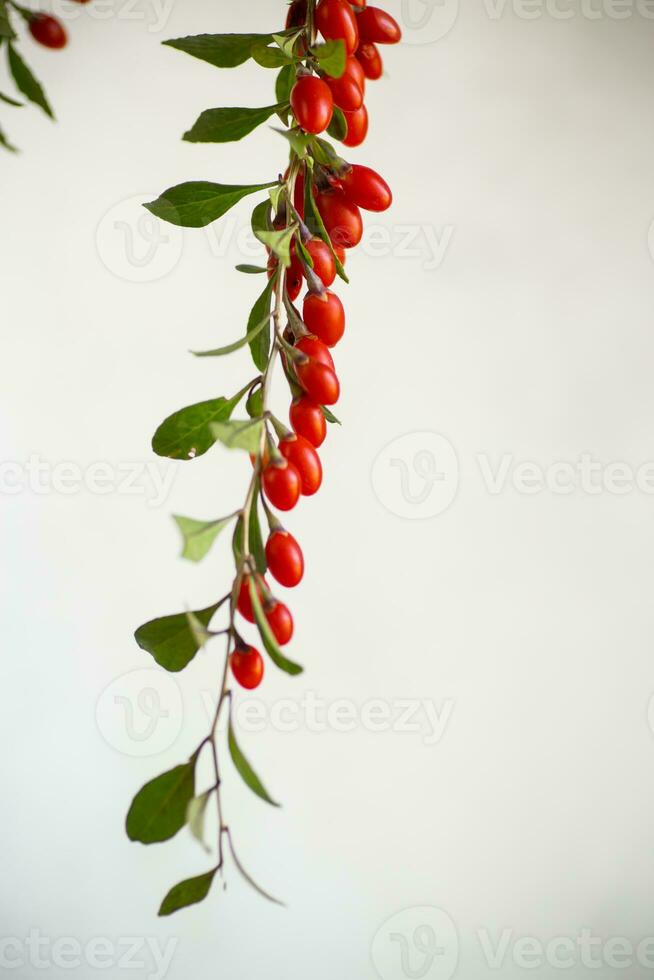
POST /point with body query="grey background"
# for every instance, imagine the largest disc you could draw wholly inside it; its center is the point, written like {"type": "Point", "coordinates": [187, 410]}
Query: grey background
{"type": "Point", "coordinates": [532, 141]}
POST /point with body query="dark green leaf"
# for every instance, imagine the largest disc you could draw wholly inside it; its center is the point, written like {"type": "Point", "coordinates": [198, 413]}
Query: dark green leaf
{"type": "Point", "coordinates": [186, 434]}
{"type": "Point", "coordinates": [239, 434]}
{"type": "Point", "coordinates": [10, 101]}
{"type": "Point", "coordinates": [221, 50]}
{"type": "Point", "coordinates": [245, 770]}
{"type": "Point", "coordinates": [331, 57]}
{"type": "Point", "coordinates": [170, 639]}
{"type": "Point", "coordinates": [284, 83]}
{"type": "Point", "coordinates": [269, 641]}
{"type": "Point", "coordinates": [6, 30]}
{"type": "Point", "coordinates": [250, 270]}
{"type": "Point", "coordinates": [237, 541]}
{"type": "Point", "coordinates": [337, 128]}
{"type": "Point", "coordinates": [260, 220]}
{"type": "Point", "coordinates": [260, 344]}
{"type": "Point", "coordinates": [198, 202]}
{"type": "Point", "coordinates": [26, 82]}
{"type": "Point", "coordinates": [254, 404]}
{"type": "Point", "coordinates": [257, 549]}
{"type": "Point", "coordinates": [5, 142]}
{"type": "Point", "coordinates": [270, 57]}
{"type": "Point", "coordinates": [250, 336]}
{"type": "Point", "coordinates": [228, 125]}
{"type": "Point", "coordinates": [188, 892]}
{"type": "Point", "coordinates": [158, 810]}
{"type": "Point", "coordinates": [199, 535]}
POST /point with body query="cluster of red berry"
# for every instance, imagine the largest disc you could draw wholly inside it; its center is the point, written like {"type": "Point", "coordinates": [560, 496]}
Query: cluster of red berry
{"type": "Point", "coordinates": [293, 468]}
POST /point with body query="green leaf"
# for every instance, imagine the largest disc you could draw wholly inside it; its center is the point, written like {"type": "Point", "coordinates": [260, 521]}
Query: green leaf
{"type": "Point", "coordinates": [255, 537]}
{"type": "Point", "coordinates": [330, 415]}
{"type": "Point", "coordinates": [337, 128]}
{"type": "Point", "coordinates": [287, 40]}
{"type": "Point", "coordinates": [284, 83]}
{"type": "Point", "coordinates": [196, 812]}
{"type": "Point", "coordinates": [171, 640]}
{"type": "Point", "coordinates": [245, 770]}
{"type": "Point", "coordinates": [260, 220]}
{"type": "Point", "coordinates": [228, 125]}
{"type": "Point", "coordinates": [250, 880]}
{"type": "Point", "coordinates": [188, 892]}
{"type": "Point", "coordinates": [186, 433]}
{"type": "Point", "coordinates": [269, 641]}
{"type": "Point", "coordinates": [237, 541]}
{"type": "Point", "coordinates": [6, 30]}
{"type": "Point", "coordinates": [260, 343]}
{"type": "Point", "coordinates": [254, 404]}
{"type": "Point", "coordinates": [250, 336]}
{"type": "Point", "coordinates": [199, 202]}
{"type": "Point", "coordinates": [317, 226]}
{"type": "Point", "coordinates": [279, 242]}
{"type": "Point", "coordinates": [220, 50]}
{"type": "Point", "coordinates": [26, 82]}
{"type": "Point", "coordinates": [270, 57]}
{"type": "Point", "coordinates": [158, 810]}
{"type": "Point", "coordinates": [239, 434]}
{"type": "Point", "coordinates": [299, 141]}
{"type": "Point", "coordinates": [5, 142]}
{"type": "Point", "coordinates": [199, 535]}
{"type": "Point", "coordinates": [331, 57]}
{"type": "Point", "coordinates": [10, 101]}
{"type": "Point", "coordinates": [250, 270]}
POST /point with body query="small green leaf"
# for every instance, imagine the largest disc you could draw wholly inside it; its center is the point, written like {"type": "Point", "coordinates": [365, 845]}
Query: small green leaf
{"type": "Point", "coordinates": [199, 202]}
{"type": "Point", "coordinates": [228, 125]}
{"type": "Point", "coordinates": [158, 810]}
{"type": "Point", "coordinates": [276, 195]}
{"type": "Point", "coordinates": [255, 537]}
{"type": "Point", "coordinates": [283, 85]}
{"type": "Point", "coordinates": [317, 226]}
{"type": "Point", "coordinates": [250, 270]}
{"type": "Point", "coordinates": [237, 541]}
{"type": "Point", "coordinates": [239, 434]}
{"type": "Point", "coordinates": [10, 101]}
{"type": "Point", "coordinates": [250, 336]}
{"type": "Point", "coordinates": [254, 404]}
{"type": "Point", "coordinates": [269, 641]}
{"type": "Point", "coordinates": [298, 140]}
{"type": "Point", "coordinates": [186, 433]}
{"type": "Point", "coordinates": [279, 242]}
{"type": "Point", "coordinates": [270, 57]}
{"type": "Point", "coordinates": [196, 812]}
{"type": "Point", "coordinates": [330, 415]}
{"type": "Point", "coordinates": [199, 535]}
{"type": "Point", "coordinates": [170, 639]}
{"type": "Point", "coordinates": [288, 40]}
{"type": "Point", "coordinates": [26, 82]}
{"type": "Point", "coordinates": [260, 343]}
{"type": "Point", "coordinates": [220, 50]}
{"type": "Point", "coordinates": [5, 142]}
{"type": "Point", "coordinates": [245, 770]}
{"type": "Point", "coordinates": [337, 128]}
{"type": "Point", "coordinates": [188, 892]}
{"type": "Point", "coordinates": [260, 220]}
{"type": "Point", "coordinates": [331, 56]}
{"type": "Point", "coordinates": [6, 30]}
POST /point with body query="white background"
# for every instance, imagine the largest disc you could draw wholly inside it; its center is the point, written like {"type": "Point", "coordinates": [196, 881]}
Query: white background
{"type": "Point", "coordinates": [527, 146]}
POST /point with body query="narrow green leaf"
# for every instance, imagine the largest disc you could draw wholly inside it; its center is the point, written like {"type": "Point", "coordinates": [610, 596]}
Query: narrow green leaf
{"type": "Point", "coordinates": [330, 415]}
{"type": "Point", "coordinates": [6, 30]}
{"type": "Point", "coordinates": [317, 226]}
{"type": "Point", "coordinates": [269, 641]}
{"type": "Point", "coordinates": [254, 404]}
{"type": "Point", "coordinates": [26, 82]}
{"type": "Point", "coordinates": [337, 128]}
{"type": "Point", "coordinates": [279, 242]}
{"type": "Point", "coordinates": [250, 880]}
{"type": "Point", "coordinates": [257, 548]}
{"type": "Point", "coordinates": [237, 541]}
{"type": "Point", "coordinates": [228, 125]}
{"type": "Point", "coordinates": [5, 142]}
{"type": "Point", "coordinates": [158, 810]}
{"type": "Point", "coordinates": [260, 343]}
{"type": "Point", "coordinates": [220, 50]}
{"type": "Point", "coordinates": [270, 57]}
{"type": "Point", "coordinates": [298, 140]}
{"type": "Point", "coordinates": [170, 639]}
{"type": "Point", "coordinates": [186, 433]}
{"type": "Point", "coordinates": [250, 270]}
{"type": "Point", "coordinates": [260, 219]}
{"type": "Point", "coordinates": [199, 202]}
{"type": "Point", "coordinates": [331, 57]}
{"type": "Point", "coordinates": [188, 892]}
{"type": "Point", "coordinates": [245, 770]}
{"type": "Point", "coordinates": [283, 85]}
{"type": "Point", "coordinates": [10, 101]}
{"type": "Point", "coordinates": [239, 434]}
{"type": "Point", "coordinates": [196, 812]}
{"type": "Point", "coordinates": [199, 535]}
{"type": "Point", "coordinates": [250, 336]}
